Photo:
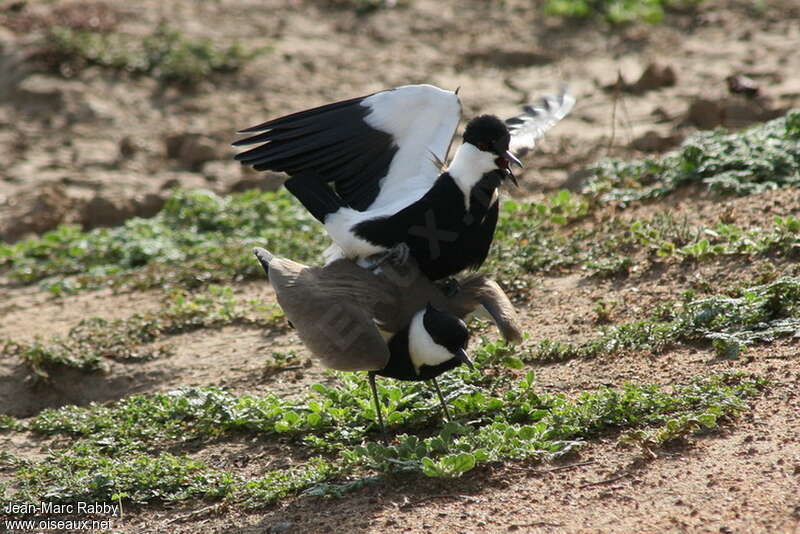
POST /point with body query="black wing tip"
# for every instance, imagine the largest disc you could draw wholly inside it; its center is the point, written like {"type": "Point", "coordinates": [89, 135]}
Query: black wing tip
{"type": "Point", "coordinates": [252, 129]}
{"type": "Point", "coordinates": [288, 120]}
{"type": "Point", "coordinates": [248, 156]}
{"type": "Point", "coordinates": [244, 142]}
{"type": "Point", "coordinates": [258, 129]}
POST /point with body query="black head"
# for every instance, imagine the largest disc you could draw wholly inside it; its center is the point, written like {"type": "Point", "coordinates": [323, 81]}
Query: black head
{"type": "Point", "coordinates": [433, 343]}
{"type": "Point", "coordinates": [446, 329]}
{"type": "Point", "coordinates": [489, 134]}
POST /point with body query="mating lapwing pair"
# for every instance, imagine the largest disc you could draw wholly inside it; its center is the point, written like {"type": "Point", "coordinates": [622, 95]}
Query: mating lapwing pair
{"type": "Point", "coordinates": [372, 171]}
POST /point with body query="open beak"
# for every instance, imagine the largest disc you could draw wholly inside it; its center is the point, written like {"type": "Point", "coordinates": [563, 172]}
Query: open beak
{"type": "Point", "coordinates": [512, 158]}
{"type": "Point", "coordinates": [506, 159]}
{"type": "Point", "coordinates": [461, 356]}
{"type": "Point", "coordinates": [513, 178]}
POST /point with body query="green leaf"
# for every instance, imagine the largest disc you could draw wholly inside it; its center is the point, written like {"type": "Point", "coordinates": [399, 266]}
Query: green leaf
{"type": "Point", "coordinates": [513, 362]}
{"type": "Point", "coordinates": [431, 468]}
{"type": "Point", "coordinates": [458, 463]}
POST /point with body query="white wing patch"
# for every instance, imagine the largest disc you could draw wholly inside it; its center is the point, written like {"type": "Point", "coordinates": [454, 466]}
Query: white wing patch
{"type": "Point", "coordinates": [339, 227]}
{"type": "Point", "coordinates": [422, 119]}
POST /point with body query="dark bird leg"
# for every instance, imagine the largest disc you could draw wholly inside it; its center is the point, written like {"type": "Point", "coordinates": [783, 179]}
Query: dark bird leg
{"type": "Point", "coordinates": [371, 375]}
{"type": "Point", "coordinates": [441, 399]}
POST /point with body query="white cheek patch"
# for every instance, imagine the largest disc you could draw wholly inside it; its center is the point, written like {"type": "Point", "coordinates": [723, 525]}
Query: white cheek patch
{"type": "Point", "coordinates": [468, 167]}
{"type": "Point", "coordinates": [422, 349]}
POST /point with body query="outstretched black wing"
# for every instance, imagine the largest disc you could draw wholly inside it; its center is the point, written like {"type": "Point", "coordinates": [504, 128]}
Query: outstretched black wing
{"type": "Point", "coordinates": [360, 145]}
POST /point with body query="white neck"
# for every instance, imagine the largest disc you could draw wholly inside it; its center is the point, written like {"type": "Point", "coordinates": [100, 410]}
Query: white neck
{"type": "Point", "coordinates": [422, 349]}
{"type": "Point", "coordinates": [469, 165]}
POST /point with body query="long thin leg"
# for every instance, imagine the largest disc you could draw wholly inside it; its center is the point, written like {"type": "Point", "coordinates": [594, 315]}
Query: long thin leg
{"type": "Point", "coordinates": [377, 405]}
{"type": "Point", "coordinates": [441, 399]}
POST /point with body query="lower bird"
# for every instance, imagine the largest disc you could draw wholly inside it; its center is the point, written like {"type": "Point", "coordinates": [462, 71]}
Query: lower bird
{"type": "Point", "coordinates": [389, 321]}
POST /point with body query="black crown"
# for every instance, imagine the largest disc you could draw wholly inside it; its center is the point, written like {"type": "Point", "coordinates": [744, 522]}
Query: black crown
{"type": "Point", "coordinates": [487, 131]}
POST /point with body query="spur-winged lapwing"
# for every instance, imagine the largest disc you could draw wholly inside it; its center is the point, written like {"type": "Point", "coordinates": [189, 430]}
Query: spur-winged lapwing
{"type": "Point", "coordinates": [390, 321]}
{"type": "Point", "coordinates": [383, 156]}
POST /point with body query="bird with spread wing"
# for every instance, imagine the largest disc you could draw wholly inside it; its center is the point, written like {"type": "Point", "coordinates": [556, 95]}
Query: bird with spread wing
{"type": "Point", "coordinates": [370, 169]}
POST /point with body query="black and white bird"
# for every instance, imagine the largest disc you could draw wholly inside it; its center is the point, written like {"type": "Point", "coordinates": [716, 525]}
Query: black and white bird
{"type": "Point", "coordinates": [390, 321]}
{"type": "Point", "coordinates": [370, 169]}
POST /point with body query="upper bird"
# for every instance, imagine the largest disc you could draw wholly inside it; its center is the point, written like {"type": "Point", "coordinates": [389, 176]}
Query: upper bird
{"type": "Point", "coordinates": [383, 156]}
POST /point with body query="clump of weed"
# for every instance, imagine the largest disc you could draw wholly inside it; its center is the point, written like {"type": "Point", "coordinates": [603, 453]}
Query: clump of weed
{"type": "Point", "coordinates": [197, 239]}
{"type": "Point", "coordinates": [531, 238]}
{"type": "Point", "coordinates": [761, 314]}
{"type": "Point", "coordinates": [664, 237]}
{"type": "Point", "coordinates": [282, 361]}
{"type": "Point", "coordinates": [613, 266]}
{"type": "Point", "coordinates": [729, 324]}
{"type": "Point", "coordinates": [761, 158]}
{"type": "Point", "coordinates": [8, 423]}
{"type": "Point", "coordinates": [165, 54]}
{"type": "Point", "coordinates": [83, 473]}
{"type": "Point", "coordinates": [678, 426]}
{"type": "Point", "coordinates": [90, 344]}
{"type": "Point", "coordinates": [117, 450]}
{"type": "Point", "coordinates": [548, 350]}
{"type": "Point", "coordinates": [560, 209]}
{"type": "Point", "coordinates": [603, 310]}
{"type": "Point", "coordinates": [528, 237]}
{"type": "Point", "coordinates": [615, 11]}
{"type": "Point", "coordinates": [275, 485]}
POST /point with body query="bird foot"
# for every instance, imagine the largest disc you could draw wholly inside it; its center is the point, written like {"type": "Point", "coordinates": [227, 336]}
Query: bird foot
{"type": "Point", "coordinates": [398, 255]}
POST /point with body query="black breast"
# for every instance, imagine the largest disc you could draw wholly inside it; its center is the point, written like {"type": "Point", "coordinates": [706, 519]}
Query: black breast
{"type": "Point", "coordinates": [400, 366]}
{"type": "Point", "coordinates": [442, 235]}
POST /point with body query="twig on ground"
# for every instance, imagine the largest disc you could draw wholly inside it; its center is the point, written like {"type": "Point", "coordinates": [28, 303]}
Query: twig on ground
{"type": "Point", "coordinates": [409, 504]}
{"type": "Point", "coordinates": [606, 481]}
{"type": "Point", "coordinates": [196, 514]}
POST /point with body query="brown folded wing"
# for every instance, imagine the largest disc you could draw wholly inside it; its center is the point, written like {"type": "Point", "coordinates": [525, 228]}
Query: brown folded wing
{"type": "Point", "coordinates": [331, 309]}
